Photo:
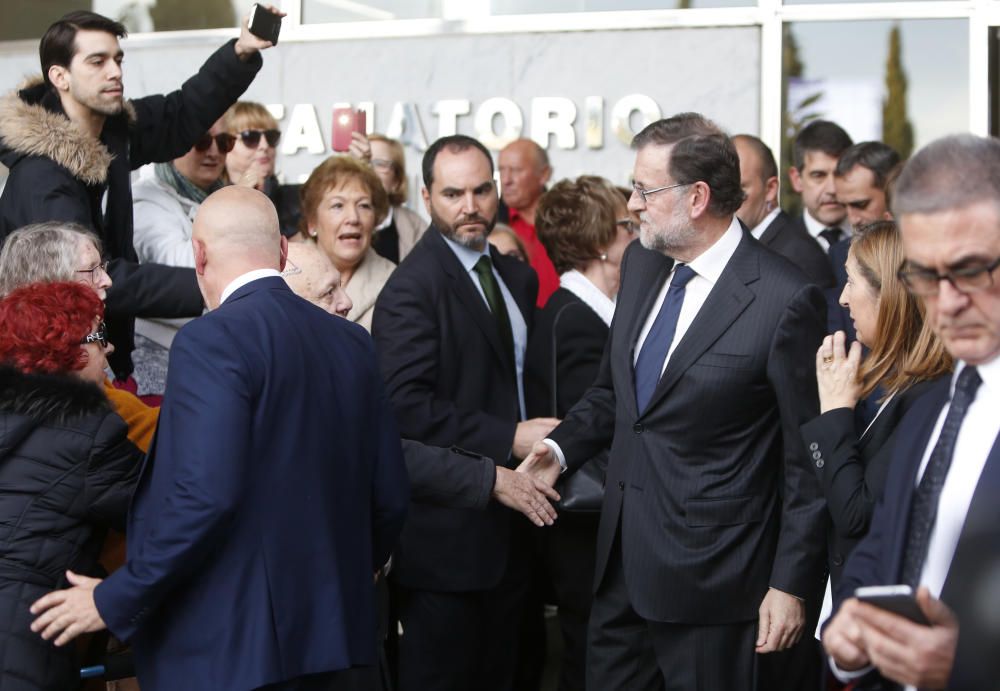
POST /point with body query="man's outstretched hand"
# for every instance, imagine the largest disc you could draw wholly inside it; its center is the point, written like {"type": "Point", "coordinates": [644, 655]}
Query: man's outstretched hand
{"type": "Point", "coordinates": [526, 494]}
{"type": "Point", "coordinates": [248, 44]}
{"type": "Point", "coordinates": [541, 464]}
{"type": "Point", "coordinates": [65, 614]}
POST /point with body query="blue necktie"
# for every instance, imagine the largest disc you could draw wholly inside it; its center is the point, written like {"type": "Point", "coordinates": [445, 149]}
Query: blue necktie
{"type": "Point", "coordinates": [649, 364]}
{"type": "Point", "coordinates": [923, 511]}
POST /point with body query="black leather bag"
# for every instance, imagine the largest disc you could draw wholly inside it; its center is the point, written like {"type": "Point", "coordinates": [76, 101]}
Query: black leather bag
{"type": "Point", "coordinates": [581, 491]}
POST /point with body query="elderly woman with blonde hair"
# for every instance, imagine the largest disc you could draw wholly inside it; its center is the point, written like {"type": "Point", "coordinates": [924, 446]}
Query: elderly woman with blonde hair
{"type": "Point", "coordinates": [342, 202]}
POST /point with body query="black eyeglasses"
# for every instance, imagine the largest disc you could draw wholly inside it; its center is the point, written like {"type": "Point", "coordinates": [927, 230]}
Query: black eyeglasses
{"type": "Point", "coordinates": [99, 336]}
{"type": "Point", "coordinates": [224, 141]}
{"type": "Point", "coordinates": [967, 279]}
{"type": "Point", "coordinates": [103, 266]}
{"type": "Point", "coordinates": [251, 138]}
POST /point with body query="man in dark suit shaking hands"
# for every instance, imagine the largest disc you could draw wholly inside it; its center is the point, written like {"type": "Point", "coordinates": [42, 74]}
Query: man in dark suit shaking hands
{"type": "Point", "coordinates": [711, 532]}
{"type": "Point", "coordinates": [274, 490]}
{"type": "Point", "coordinates": [451, 327]}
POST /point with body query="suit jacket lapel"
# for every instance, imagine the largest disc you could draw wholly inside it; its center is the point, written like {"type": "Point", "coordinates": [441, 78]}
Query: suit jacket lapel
{"type": "Point", "coordinates": [914, 453]}
{"type": "Point", "coordinates": [466, 292]}
{"type": "Point", "coordinates": [774, 229]}
{"type": "Point", "coordinates": [525, 302]}
{"type": "Point", "coordinates": [651, 270]}
{"type": "Point", "coordinates": [727, 300]}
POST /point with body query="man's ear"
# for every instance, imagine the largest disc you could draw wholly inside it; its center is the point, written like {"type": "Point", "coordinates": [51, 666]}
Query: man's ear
{"type": "Point", "coordinates": [700, 198]}
{"type": "Point", "coordinates": [59, 76]}
{"type": "Point", "coordinates": [200, 255]}
{"type": "Point", "coordinates": [771, 191]}
{"type": "Point", "coordinates": [795, 178]}
{"type": "Point", "coordinates": [283, 254]}
{"type": "Point", "coordinates": [546, 175]}
{"type": "Point", "coordinates": [427, 198]}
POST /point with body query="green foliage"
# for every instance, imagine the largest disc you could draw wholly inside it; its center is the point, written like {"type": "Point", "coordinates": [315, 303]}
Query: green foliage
{"type": "Point", "coordinates": [897, 130]}
{"type": "Point", "coordinates": [792, 121]}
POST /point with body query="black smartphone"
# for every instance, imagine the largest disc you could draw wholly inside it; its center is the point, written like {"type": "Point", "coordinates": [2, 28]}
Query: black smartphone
{"type": "Point", "coordinates": [898, 599]}
{"type": "Point", "coordinates": [264, 24]}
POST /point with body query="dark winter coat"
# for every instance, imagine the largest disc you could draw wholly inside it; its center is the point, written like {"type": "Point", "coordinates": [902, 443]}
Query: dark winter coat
{"type": "Point", "coordinates": [67, 471]}
{"type": "Point", "coordinates": [60, 173]}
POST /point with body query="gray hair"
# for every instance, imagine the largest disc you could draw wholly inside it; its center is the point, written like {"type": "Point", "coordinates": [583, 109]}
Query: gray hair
{"type": "Point", "coordinates": [949, 173]}
{"type": "Point", "coordinates": [42, 252]}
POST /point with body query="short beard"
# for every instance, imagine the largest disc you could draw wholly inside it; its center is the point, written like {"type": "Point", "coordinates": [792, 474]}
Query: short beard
{"type": "Point", "coordinates": [674, 236]}
{"type": "Point", "coordinates": [472, 242]}
{"type": "Point", "coordinates": [105, 108]}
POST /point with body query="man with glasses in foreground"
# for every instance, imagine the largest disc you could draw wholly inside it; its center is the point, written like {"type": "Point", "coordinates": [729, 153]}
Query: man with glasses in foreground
{"type": "Point", "coordinates": [937, 528]}
{"type": "Point", "coordinates": [711, 534]}
{"type": "Point", "coordinates": [70, 140]}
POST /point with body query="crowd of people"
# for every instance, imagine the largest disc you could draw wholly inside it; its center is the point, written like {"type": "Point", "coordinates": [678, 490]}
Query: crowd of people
{"type": "Point", "coordinates": [694, 423]}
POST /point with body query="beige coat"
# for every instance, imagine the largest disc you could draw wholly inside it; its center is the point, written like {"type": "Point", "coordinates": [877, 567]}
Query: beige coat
{"type": "Point", "coordinates": [365, 285]}
{"type": "Point", "coordinates": [410, 226]}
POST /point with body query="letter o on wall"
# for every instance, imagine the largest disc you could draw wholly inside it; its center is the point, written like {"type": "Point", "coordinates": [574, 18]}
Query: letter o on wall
{"type": "Point", "coordinates": [621, 116]}
{"type": "Point", "coordinates": [486, 114]}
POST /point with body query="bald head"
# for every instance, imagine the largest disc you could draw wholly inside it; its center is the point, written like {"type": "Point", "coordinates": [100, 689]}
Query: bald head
{"type": "Point", "coordinates": [240, 217]}
{"type": "Point", "coordinates": [524, 171]}
{"type": "Point", "coordinates": [235, 231]}
{"type": "Point", "coordinates": [311, 275]}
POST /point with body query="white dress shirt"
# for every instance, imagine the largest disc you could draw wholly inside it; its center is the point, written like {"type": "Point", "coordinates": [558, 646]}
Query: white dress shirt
{"type": "Point", "coordinates": [759, 229]}
{"type": "Point", "coordinates": [708, 266]}
{"type": "Point", "coordinates": [519, 328]}
{"type": "Point", "coordinates": [243, 279]}
{"type": "Point", "coordinates": [592, 296]}
{"type": "Point", "coordinates": [972, 447]}
{"type": "Point", "coordinates": [815, 228]}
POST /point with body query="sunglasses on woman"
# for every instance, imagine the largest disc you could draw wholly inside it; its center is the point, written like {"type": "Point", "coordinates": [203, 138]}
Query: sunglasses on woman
{"type": "Point", "coordinates": [251, 138]}
{"type": "Point", "coordinates": [224, 141]}
{"type": "Point", "coordinates": [99, 336]}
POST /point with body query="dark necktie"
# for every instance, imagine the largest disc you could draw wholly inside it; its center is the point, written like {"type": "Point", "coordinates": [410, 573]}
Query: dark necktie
{"type": "Point", "coordinates": [923, 512]}
{"type": "Point", "coordinates": [649, 364]}
{"type": "Point", "coordinates": [831, 235]}
{"type": "Point", "coordinates": [494, 297]}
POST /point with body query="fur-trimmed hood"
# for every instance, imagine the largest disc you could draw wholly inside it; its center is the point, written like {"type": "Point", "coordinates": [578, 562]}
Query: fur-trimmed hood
{"type": "Point", "coordinates": [32, 123]}
{"type": "Point", "coordinates": [30, 400]}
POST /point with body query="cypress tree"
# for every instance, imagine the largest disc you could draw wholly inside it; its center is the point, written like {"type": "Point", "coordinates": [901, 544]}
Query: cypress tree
{"type": "Point", "coordinates": [897, 130]}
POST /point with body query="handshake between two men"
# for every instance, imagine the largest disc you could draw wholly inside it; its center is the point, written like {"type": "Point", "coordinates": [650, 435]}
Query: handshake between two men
{"type": "Point", "coordinates": [529, 489]}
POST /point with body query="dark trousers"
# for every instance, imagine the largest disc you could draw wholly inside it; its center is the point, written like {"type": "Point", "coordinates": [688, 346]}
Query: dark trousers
{"type": "Point", "coordinates": [462, 641]}
{"type": "Point", "coordinates": [354, 679]}
{"type": "Point", "coordinates": [569, 559]}
{"type": "Point", "coordinates": [626, 651]}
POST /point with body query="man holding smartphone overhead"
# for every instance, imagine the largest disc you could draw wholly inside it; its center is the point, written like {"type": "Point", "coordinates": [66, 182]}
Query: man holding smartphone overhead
{"type": "Point", "coordinates": [937, 527]}
{"type": "Point", "coordinates": [71, 139]}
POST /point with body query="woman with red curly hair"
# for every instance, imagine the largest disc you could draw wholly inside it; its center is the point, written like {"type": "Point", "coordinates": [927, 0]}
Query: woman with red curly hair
{"type": "Point", "coordinates": [67, 468]}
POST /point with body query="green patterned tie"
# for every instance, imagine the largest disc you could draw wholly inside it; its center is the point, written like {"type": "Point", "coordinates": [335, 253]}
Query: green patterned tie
{"type": "Point", "coordinates": [491, 289]}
